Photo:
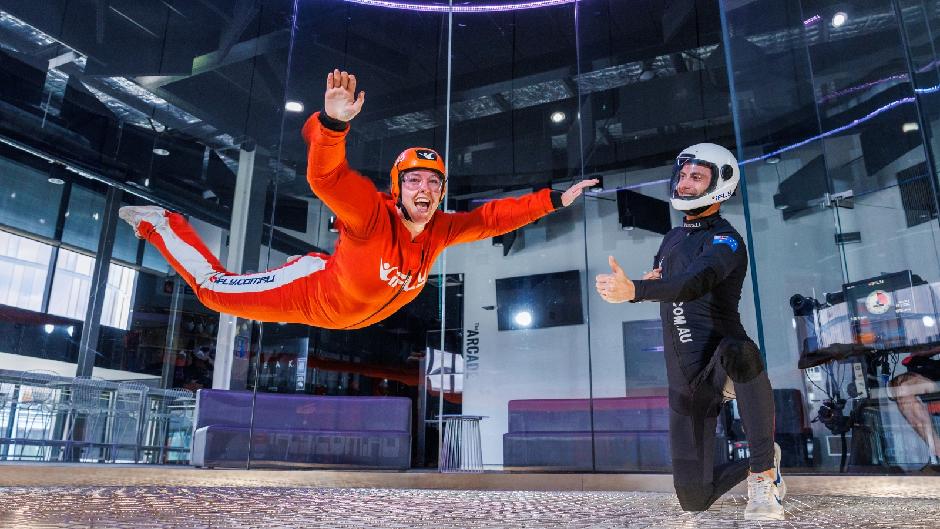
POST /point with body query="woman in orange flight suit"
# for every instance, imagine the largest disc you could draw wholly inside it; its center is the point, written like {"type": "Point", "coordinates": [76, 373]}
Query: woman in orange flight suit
{"type": "Point", "coordinates": [387, 243]}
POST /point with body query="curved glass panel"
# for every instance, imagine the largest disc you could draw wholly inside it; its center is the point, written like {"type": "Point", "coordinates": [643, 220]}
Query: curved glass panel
{"type": "Point", "coordinates": [226, 335]}
{"type": "Point", "coordinates": [829, 127]}
{"type": "Point", "coordinates": [515, 131]}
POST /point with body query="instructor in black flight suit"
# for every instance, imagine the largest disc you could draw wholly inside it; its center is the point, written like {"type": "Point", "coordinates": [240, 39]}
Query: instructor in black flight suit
{"type": "Point", "coordinates": [697, 277]}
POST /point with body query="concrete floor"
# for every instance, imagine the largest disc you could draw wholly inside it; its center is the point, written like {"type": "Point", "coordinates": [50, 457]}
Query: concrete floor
{"type": "Point", "coordinates": [106, 496]}
{"type": "Point", "coordinates": [314, 508]}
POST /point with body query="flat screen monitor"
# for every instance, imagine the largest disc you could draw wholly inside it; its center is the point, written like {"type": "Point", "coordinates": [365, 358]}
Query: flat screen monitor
{"type": "Point", "coordinates": [877, 307]}
{"type": "Point", "coordinates": [538, 301]}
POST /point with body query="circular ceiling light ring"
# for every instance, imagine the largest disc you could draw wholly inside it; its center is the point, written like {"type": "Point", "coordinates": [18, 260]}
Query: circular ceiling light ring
{"type": "Point", "coordinates": [441, 8]}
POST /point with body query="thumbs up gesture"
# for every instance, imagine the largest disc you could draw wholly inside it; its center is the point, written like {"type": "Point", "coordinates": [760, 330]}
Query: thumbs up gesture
{"type": "Point", "coordinates": [615, 287]}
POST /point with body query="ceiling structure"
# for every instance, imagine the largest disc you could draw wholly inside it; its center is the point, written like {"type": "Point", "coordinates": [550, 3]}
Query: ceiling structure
{"type": "Point", "coordinates": [116, 79]}
{"type": "Point", "coordinates": [157, 97]}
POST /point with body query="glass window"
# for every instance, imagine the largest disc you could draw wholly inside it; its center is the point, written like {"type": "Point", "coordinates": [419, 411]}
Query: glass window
{"type": "Point", "coordinates": [29, 202]}
{"type": "Point", "coordinates": [119, 296]}
{"type": "Point", "coordinates": [125, 243]}
{"type": "Point", "coordinates": [24, 266]}
{"type": "Point", "coordinates": [83, 218]}
{"type": "Point", "coordinates": [71, 284]}
{"type": "Point", "coordinates": [153, 260]}
{"type": "Point", "coordinates": [71, 287]}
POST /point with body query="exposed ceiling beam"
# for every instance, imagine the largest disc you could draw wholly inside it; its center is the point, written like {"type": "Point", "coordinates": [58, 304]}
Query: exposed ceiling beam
{"type": "Point", "coordinates": [219, 58]}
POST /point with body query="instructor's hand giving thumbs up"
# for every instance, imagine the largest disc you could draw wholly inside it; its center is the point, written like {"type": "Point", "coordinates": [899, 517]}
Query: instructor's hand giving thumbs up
{"type": "Point", "coordinates": [615, 287]}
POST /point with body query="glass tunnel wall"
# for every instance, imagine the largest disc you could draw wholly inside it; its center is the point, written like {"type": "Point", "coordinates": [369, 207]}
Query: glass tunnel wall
{"type": "Point", "coordinates": [507, 348]}
{"type": "Point", "coordinates": [104, 346]}
{"type": "Point", "coordinates": [833, 106]}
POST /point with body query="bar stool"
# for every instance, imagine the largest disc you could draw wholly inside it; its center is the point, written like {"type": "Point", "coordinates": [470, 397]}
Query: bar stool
{"type": "Point", "coordinates": [128, 410]}
{"type": "Point", "coordinates": [36, 402]}
{"type": "Point", "coordinates": [461, 449]}
{"type": "Point", "coordinates": [86, 405]}
{"type": "Point", "coordinates": [176, 406]}
{"type": "Point", "coordinates": [8, 396]}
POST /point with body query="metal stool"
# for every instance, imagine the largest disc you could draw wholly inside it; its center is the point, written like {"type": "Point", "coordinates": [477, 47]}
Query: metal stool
{"type": "Point", "coordinates": [461, 449]}
{"type": "Point", "coordinates": [128, 408]}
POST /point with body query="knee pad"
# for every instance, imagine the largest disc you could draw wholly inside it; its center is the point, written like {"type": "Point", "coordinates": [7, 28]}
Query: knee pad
{"type": "Point", "coordinates": [741, 359]}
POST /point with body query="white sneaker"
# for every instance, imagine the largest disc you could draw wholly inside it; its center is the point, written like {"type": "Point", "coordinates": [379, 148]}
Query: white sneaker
{"type": "Point", "coordinates": [133, 215]}
{"type": "Point", "coordinates": [765, 497]}
{"type": "Point", "coordinates": [781, 486]}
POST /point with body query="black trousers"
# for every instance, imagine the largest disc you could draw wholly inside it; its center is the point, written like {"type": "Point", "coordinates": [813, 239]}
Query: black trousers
{"type": "Point", "coordinates": [696, 380]}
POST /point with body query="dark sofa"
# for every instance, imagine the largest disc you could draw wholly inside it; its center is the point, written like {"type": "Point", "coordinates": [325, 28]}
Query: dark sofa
{"type": "Point", "coordinates": [301, 430]}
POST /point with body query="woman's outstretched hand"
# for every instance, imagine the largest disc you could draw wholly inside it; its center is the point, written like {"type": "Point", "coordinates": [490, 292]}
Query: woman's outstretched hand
{"type": "Point", "coordinates": [340, 101]}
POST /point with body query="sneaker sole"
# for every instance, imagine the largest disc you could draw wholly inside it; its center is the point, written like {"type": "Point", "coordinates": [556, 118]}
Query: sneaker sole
{"type": "Point", "coordinates": [765, 517]}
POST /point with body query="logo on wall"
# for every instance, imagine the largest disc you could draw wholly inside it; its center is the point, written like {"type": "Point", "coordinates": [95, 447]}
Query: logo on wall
{"type": "Point", "coordinates": [472, 349]}
{"type": "Point", "coordinates": [878, 302]}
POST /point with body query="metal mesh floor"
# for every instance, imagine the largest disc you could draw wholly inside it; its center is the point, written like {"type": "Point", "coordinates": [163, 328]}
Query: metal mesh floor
{"type": "Point", "coordinates": [281, 507]}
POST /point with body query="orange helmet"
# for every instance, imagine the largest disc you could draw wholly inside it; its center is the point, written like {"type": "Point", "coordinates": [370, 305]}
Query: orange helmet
{"type": "Point", "coordinates": [415, 158]}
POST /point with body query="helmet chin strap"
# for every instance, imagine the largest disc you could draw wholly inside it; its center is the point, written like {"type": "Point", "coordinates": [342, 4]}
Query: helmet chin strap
{"type": "Point", "coordinates": [697, 211]}
{"type": "Point", "coordinates": [399, 203]}
{"type": "Point", "coordinates": [403, 210]}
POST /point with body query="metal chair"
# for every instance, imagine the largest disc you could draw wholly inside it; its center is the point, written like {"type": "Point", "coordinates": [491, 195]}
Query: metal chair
{"type": "Point", "coordinates": [8, 395]}
{"type": "Point", "coordinates": [176, 407]}
{"type": "Point", "coordinates": [128, 410]}
{"type": "Point", "coordinates": [86, 410]}
{"type": "Point", "coordinates": [37, 401]}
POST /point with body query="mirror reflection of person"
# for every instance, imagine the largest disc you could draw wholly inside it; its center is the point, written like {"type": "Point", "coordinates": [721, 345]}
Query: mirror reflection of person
{"type": "Point", "coordinates": [697, 277]}
{"type": "Point", "coordinates": [387, 242]}
{"type": "Point", "coordinates": [907, 390]}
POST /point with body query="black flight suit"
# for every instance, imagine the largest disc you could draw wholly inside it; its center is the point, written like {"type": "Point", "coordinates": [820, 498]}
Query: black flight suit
{"type": "Point", "coordinates": [704, 263]}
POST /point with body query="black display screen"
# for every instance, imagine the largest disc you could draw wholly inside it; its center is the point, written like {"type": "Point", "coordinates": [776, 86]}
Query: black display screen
{"type": "Point", "coordinates": [876, 308]}
{"type": "Point", "coordinates": [538, 301]}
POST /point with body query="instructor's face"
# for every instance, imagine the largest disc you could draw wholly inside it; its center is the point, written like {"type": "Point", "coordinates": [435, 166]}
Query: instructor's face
{"type": "Point", "coordinates": [421, 192]}
{"type": "Point", "coordinates": [693, 180]}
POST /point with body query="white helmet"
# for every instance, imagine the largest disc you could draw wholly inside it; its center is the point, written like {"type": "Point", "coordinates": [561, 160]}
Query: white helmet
{"type": "Point", "coordinates": [718, 165]}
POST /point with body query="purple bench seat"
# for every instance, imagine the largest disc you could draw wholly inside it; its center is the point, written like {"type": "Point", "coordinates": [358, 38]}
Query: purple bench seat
{"type": "Point", "coordinates": [630, 433]}
{"type": "Point", "coordinates": [301, 430]}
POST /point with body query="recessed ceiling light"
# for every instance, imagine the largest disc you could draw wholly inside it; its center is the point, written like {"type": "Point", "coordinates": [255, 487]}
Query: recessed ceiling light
{"type": "Point", "coordinates": [558, 116]}
{"type": "Point", "coordinates": [160, 151]}
{"type": "Point", "coordinates": [839, 19]}
{"type": "Point", "coordinates": [523, 318]}
{"type": "Point", "coordinates": [910, 126]}
{"type": "Point", "coordinates": [294, 106]}
{"type": "Point", "coordinates": [56, 181]}
{"type": "Point", "coordinates": [773, 160]}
